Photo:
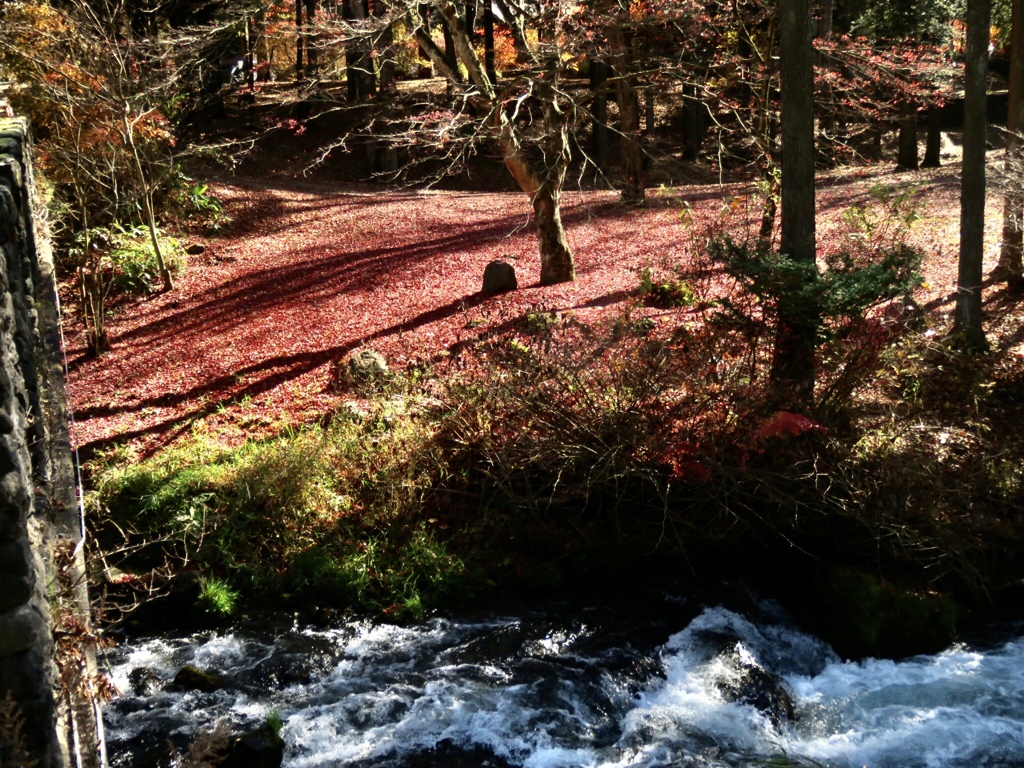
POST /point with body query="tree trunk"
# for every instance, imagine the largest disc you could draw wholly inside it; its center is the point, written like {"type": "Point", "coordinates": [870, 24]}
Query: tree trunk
{"type": "Point", "coordinates": [449, 49]}
{"type": "Point", "coordinates": [249, 61]}
{"type": "Point", "coordinates": [599, 114]}
{"type": "Point", "coordinates": [875, 131]}
{"type": "Point", "coordinates": [907, 155]}
{"type": "Point", "coordinates": [384, 42]}
{"type": "Point", "coordinates": [967, 321]}
{"type": "Point", "coordinates": [422, 34]}
{"type": "Point", "coordinates": [825, 20]}
{"type": "Point", "coordinates": [693, 123]}
{"type": "Point", "coordinates": [359, 74]}
{"type": "Point", "coordinates": [629, 118]}
{"type": "Point", "coordinates": [1010, 267]}
{"type": "Point", "coordinates": [312, 58]}
{"type": "Point", "coordinates": [492, 73]}
{"type": "Point", "coordinates": [544, 186]}
{"type": "Point", "coordinates": [435, 55]}
{"type": "Point", "coordinates": [147, 203]}
{"type": "Point", "coordinates": [793, 358]}
{"type": "Point", "coordinates": [263, 73]}
{"type": "Point", "coordinates": [649, 110]}
{"type": "Point", "coordinates": [556, 261]}
{"type": "Point", "coordinates": [300, 42]}
{"type": "Point", "coordinates": [933, 143]}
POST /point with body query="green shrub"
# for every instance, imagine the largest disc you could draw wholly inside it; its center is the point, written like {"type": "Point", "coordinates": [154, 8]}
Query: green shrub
{"type": "Point", "coordinates": [665, 292]}
{"type": "Point", "coordinates": [126, 258]}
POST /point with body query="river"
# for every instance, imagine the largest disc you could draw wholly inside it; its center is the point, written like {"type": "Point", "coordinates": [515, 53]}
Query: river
{"type": "Point", "coordinates": [570, 687]}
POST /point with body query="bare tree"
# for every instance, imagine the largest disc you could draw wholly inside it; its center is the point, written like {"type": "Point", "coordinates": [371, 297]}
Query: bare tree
{"type": "Point", "coordinates": [99, 95]}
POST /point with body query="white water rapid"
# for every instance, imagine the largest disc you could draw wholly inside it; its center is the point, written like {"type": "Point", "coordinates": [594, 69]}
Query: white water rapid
{"type": "Point", "coordinates": [576, 691]}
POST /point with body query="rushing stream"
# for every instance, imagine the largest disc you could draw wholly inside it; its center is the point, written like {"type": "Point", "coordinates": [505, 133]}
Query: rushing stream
{"type": "Point", "coordinates": [577, 688]}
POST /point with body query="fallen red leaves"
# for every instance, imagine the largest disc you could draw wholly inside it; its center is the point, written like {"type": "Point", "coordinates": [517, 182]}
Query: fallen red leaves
{"type": "Point", "coordinates": [309, 272]}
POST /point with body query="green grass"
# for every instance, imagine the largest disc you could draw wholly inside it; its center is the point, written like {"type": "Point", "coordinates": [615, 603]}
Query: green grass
{"type": "Point", "coordinates": [335, 511]}
{"type": "Point", "coordinates": [217, 597]}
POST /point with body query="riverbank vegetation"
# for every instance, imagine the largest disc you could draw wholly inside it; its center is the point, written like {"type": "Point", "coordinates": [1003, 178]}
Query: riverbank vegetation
{"type": "Point", "coordinates": [710, 377]}
{"type": "Point", "coordinates": [545, 452]}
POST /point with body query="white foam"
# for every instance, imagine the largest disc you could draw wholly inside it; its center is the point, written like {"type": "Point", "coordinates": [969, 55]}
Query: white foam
{"type": "Point", "coordinates": [394, 690]}
{"type": "Point", "coordinates": [955, 708]}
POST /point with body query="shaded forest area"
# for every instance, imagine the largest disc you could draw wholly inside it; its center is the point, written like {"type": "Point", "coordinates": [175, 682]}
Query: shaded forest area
{"type": "Point", "coordinates": [709, 373]}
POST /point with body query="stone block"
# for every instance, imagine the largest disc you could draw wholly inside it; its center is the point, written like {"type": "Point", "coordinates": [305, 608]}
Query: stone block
{"type": "Point", "coordinates": [14, 558]}
{"type": "Point", "coordinates": [499, 276]}
{"type": "Point", "coordinates": [10, 171]}
{"type": "Point", "coordinates": [20, 630]}
{"type": "Point", "coordinates": [14, 591]}
{"type": "Point", "coordinates": [14, 506]}
{"type": "Point", "coordinates": [10, 147]}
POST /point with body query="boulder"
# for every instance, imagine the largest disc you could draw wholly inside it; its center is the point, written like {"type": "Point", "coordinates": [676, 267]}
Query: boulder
{"type": "Point", "coordinates": [750, 683]}
{"type": "Point", "coordinates": [367, 365]}
{"type": "Point", "coordinates": [364, 367]}
{"type": "Point", "coordinates": [144, 681]}
{"type": "Point", "coordinates": [740, 679]}
{"type": "Point", "coordinates": [191, 678]}
{"type": "Point", "coordinates": [262, 748]}
{"type": "Point", "coordinates": [499, 276]}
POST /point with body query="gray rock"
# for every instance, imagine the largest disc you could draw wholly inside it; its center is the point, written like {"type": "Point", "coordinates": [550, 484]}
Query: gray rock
{"type": "Point", "coordinates": [14, 591]}
{"type": "Point", "coordinates": [367, 365]}
{"type": "Point", "coordinates": [499, 276]}
{"type": "Point", "coordinates": [20, 630]}
{"type": "Point", "coordinates": [261, 748]}
{"type": "Point", "coordinates": [190, 678]}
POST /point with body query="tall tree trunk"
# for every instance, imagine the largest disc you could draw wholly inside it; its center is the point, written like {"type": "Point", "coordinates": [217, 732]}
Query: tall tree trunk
{"type": "Point", "coordinates": [384, 43]}
{"type": "Point", "coordinates": [449, 49]}
{"type": "Point", "coordinates": [492, 73]}
{"type": "Point", "coordinates": [907, 155]}
{"type": "Point", "coordinates": [693, 123]}
{"type": "Point", "coordinates": [1010, 267]}
{"type": "Point", "coordinates": [630, 151]}
{"type": "Point", "coordinates": [300, 43]}
{"type": "Point", "coordinates": [967, 320]}
{"type": "Point", "coordinates": [262, 48]}
{"type": "Point", "coordinates": [312, 54]}
{"type": "Point", "coordinates": [793, 358]}
{"type": "Point", "coordinates": [544, 187]}
{"type": "Point", "coordinates": [249, 60]}
{"type": "Point", "coordinates": [422, 34]}
{"type": "Point", "coordinates": [933, 142]}
{"type": "Point", "coordinates": [147, 203]}
{"type": "Point", "coordinates": [599, 113]}
{"type": "Point", "coordinates": [359, 74]}
{"type": "Point", "coordinates": [825, 20]}
{"type": "Point", "coordinates": [875, 131]}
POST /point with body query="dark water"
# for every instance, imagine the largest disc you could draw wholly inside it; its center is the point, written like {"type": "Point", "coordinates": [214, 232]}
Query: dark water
{"type": "Point", "coordinates": [578, 688]}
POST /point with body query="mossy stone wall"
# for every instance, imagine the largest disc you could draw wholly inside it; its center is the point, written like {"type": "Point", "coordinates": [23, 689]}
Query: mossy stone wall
{"type": "Point", "coordinates": [39, 519]}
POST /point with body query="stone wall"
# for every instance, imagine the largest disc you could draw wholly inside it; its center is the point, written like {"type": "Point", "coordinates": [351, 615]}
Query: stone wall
{"type": "Point", "coordinates": [41, 564]}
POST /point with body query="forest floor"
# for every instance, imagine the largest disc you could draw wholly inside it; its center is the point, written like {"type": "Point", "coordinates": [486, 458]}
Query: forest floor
{"type": "Point", "coordinates": [309, 270]}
